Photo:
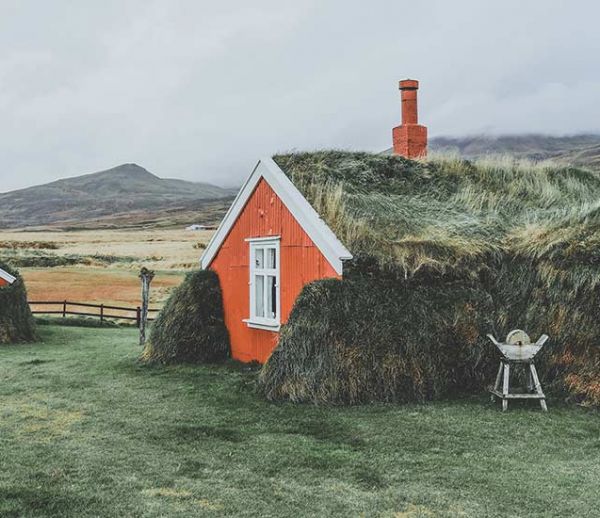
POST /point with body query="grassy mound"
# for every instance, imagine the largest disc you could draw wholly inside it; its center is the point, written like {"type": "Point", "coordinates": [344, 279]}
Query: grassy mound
{"type": "Point", "coordinates": [190, 328]}
{"type": "Point", "coordinates": [445, 252]}
{"type": "Point", "coordinates": [363, 340]}
{"type": "Point", "coordinates": [16, 321]}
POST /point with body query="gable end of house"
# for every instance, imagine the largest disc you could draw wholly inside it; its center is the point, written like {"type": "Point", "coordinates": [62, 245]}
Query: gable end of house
{"type": "Point", "coordinates": [306, 216]}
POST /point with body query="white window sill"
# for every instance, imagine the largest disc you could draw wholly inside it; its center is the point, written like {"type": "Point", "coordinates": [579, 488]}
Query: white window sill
{"type": "Point", "coordinates": [262, 325]}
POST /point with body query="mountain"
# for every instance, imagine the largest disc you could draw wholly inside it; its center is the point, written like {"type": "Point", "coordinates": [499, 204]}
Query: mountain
{"type": "Point", "coordinates": [131, 196]}
{"type": "Point", "coordinates": [108, 195]}
{"type": "Point", "coordinates": [580, 150]}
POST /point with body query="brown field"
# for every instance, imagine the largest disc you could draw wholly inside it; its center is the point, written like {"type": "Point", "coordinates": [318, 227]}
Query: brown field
{"type": "Point", "coordinates": [170, 253]}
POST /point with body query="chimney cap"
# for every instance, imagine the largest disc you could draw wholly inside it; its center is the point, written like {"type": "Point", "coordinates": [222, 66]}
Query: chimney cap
{"type": "Point", "coordinates": [409, 84]}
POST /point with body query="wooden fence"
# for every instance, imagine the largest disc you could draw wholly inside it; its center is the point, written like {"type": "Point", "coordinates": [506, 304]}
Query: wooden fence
{"type": "Point", "coordinates": [62, 307]}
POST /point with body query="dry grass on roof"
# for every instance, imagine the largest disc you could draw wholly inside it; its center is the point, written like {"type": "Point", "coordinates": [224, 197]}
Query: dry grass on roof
{"type": "Point", "coordinates": [404, 212]}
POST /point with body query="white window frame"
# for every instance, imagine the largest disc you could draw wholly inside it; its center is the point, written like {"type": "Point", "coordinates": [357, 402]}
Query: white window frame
{"type": "Point", "coordinates": [264, 243]}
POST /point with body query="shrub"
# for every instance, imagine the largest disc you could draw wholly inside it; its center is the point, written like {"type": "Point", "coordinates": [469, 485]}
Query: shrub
{"type": "Point", "coordinates": [16, 321]}
{"type": "Point", "coordinates": [190, 328]}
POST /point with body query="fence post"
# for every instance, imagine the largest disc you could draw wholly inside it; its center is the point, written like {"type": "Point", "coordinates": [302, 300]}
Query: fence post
{"type": "Point", "coordinates": [65, 309]}
{"type": "Point", "coordinates": [146, 277]}
{"type": "Point", "coordinates": [138, 316]}
{"type": "Point", "coordinates": [101, 314]}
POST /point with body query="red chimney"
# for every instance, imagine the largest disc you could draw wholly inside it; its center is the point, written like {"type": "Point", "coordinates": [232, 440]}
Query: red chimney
{"type": "Point", "coordinates": [410, 139]}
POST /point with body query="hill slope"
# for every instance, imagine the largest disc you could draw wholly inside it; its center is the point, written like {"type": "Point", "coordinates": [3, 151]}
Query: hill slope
{"type": "Point", "coordinates": [579, 150]}
{"type": "Point", "coordinates": [116, 193]}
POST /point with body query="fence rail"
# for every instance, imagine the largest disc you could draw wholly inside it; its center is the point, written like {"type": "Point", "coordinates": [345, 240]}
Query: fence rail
{"type": "Point", "coordinates": [102, 315]}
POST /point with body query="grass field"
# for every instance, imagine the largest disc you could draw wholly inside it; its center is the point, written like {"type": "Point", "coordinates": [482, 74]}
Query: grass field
{"type": "Point", "coordinates": [87, 431]}
{"type": "Point", "coordinates": [101, 266]}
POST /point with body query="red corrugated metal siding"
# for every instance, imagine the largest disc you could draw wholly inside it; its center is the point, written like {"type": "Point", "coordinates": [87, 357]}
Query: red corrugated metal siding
{"type": "Point", "coordinates": [301, 262]}
{"type": "Point", "coordinates": [3, 282]}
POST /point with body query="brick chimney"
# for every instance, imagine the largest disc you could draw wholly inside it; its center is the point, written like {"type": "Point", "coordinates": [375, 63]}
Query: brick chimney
{"type": "Point", "coordinates": [410, 139]}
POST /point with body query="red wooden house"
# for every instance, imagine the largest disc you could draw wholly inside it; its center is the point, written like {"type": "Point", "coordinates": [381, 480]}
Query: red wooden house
{"type": "Point", "coordinates": [6, 278]}
{"type": "Point", "coordinates": [272, 242]}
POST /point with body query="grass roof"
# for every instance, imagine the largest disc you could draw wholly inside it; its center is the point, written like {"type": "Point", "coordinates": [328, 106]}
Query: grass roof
{"type": "Point", "coordinates": [445, 251]}
{"type": "Point", "coordinates": [440, 212]}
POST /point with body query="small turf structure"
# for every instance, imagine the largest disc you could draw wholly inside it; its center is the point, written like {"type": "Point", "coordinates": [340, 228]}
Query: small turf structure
{"type": "Point", "coordinates": [16, 321]}
{"type": "Point", "coordinates": [445, 251]}
{"type": "Point", "coordinates": [190, 328]}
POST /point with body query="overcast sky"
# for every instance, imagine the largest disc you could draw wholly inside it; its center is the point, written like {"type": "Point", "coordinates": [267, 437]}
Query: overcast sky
{"type": "Point", "coordinates": [200, 90]}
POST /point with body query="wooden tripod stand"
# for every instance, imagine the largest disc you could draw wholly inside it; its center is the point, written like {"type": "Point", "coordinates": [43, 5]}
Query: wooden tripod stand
{"type": "Point", "coordinates": [502, 386]}
{"type": "Point", "coordinates": [518, 350]}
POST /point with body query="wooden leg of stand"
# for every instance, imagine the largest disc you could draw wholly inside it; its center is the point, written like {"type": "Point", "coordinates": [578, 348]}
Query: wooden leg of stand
{"type": "Point", "coordinates": [505, 387]}
{"type": "Point", "coordinates": [498, 378]}
{"type": "Point", "coordinates": [497, 383]}
{"type": "Point", "coordinates": [530, 384]}
{"type": "Point", "coordinates": [538, 386]}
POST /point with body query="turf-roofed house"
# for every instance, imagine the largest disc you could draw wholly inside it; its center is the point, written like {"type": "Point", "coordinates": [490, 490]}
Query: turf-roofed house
{"type": "Point", "coordinates": [357, 277]}
{"type": "Point", "coordinates": [273, 242]}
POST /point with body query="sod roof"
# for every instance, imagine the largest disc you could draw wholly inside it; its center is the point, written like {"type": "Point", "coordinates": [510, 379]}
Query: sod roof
{"type": "Point", "coordinates": [446, 212]}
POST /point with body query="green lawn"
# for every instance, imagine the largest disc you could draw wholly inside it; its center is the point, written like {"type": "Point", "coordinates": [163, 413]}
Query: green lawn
{"type": "Point", "coordinates": [86, 431]}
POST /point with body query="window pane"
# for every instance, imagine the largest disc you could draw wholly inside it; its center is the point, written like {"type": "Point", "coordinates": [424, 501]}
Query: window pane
{"type": "Point", "coordinates": [259, 293]}
{"type": "Point", "coordinates": [259, 258]}
{"type": "Point", "coordinates": [271, 297]}
{"type": "Point", "coordinates": [271, 262]}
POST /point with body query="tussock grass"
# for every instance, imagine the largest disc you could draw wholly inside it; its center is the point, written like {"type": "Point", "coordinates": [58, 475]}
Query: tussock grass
{"type": "Point", "coordinates": [487, 245]}
{"type": "Point", "coordinates": [190, 327]}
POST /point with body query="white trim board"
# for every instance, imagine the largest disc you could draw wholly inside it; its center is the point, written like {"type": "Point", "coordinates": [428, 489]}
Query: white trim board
{"type": "Point", "coordinates": [310, 221]}
{"type": "Point", "coordinates": [7, 276]}
{"type": "Point", "coordinates": [259, 239]}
